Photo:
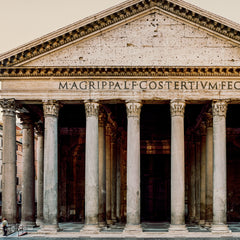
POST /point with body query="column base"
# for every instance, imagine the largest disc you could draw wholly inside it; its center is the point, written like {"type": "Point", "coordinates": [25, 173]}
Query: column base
{"type": "Point", "coordinates": [28, 224]}
{"type": "Point", "coordinates": [109, 222]}
{"type": "Point", "coordinates": [114, 220]}
{"type": "Point", "coordinates": [48, 229]}
{"type": "Point", "coordinates": [192, 220]}
{"type": "Point", "coordinates": [129, 228]}
{"type": "Point", "coordinates": [39, 222]}
{"type": "Point", "coordinates": [90, 229]}
{"type": "Point", "coordinates": [177, 228]}
{"type": "Point", "coordinates": [220, 228]}
{"type": "Point", "coordinates": [202, 222]}
{"type": "Point", "coordinates": [208, 224]}
{"type": "Point", "coordinates": [102, 224]}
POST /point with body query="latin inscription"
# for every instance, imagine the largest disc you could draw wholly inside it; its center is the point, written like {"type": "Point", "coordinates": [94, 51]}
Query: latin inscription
{"type": "Point", "coordinates": [149, 85]}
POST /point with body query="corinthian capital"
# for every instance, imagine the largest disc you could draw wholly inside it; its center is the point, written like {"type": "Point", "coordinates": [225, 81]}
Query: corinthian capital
{"type": "Point", "coordinates": [219, 108]}
{"type": "Point", "coordinates": [209, 118]}
{"type": "Point", "coordinates": [177, 107]}
{"type": "Point", "coordinates": [91, 109]}
{"type": "Point", "coordinates": [39, 128]}
{"type": "Point", "coordinates": [8, 106]}
{"type": "Point", "coordinates": [102, 118]}
{"type": "Point", "coordinates": [26, 120]}
{"type": "Point", "coordinates": [51, 107]}
{"type": "Point", "coordinates": [133, 109]}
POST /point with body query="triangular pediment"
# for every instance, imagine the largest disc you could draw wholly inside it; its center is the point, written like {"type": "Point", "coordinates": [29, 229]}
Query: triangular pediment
{"type": "Point", "coordinates": [148, 32]}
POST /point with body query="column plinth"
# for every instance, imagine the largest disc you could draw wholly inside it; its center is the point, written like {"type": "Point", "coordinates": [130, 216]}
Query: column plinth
{"type": "Point", "coordinates": [9, 199]}
{"type": "Point", "coordinates": [177, 167]}
{"type": "Point", "coordinates": [219, 109]}
{"type": "Point", "coordinates": [50, 207]}
{"type": "Point", "coordinates": [91, 168]}
{"type": "Point", "coordinates": [133, 167]}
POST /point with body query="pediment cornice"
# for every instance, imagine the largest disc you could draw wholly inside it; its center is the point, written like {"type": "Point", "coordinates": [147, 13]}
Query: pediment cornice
{"type": "Point", "coordinates": [124, 71]}
{"type": "Point", "coordinates": [76, 32]}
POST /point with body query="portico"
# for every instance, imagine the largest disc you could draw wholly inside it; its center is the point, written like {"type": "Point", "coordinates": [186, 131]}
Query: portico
{"type": "Point", "coordinates": [128, 137]}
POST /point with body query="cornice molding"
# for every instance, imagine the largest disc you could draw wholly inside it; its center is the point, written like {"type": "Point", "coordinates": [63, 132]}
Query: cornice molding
{"type": "Point", "coordinates": [171, 7]}
{"type": "Point", "coordinates": [118, 71]}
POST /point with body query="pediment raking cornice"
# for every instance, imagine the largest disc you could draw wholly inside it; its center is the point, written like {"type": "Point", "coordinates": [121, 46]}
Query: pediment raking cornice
{"type": "Point", "coordinates": [140, 6]}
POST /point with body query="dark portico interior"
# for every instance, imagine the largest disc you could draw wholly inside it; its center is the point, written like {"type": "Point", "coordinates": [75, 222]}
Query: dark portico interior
{"type": "Point", "coordinates": [155, 125]}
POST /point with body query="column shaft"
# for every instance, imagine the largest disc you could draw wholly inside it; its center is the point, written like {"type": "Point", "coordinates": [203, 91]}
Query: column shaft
{"type": "Point", "coordinates": [113, 176]}
{"type": "Point", "coordinates": [177, 166]}
{"type": "Point", "coordinates": [40, 150]}
{"type": "Point", "coordinates": [28, 187]}
{"type": "Point", "coordinates": [203, 175]}
{"type": "Point", "coordinates": [91, 167]}
{"type": "Point", "coordinates": [219, 169]}
{"type": "Point", "coordinates": [50, 208]}
{"type": "Point", "coordinates": [118, 191]}
{"type": "Point", "coordinates": [108, 174]}
{"type": "Point", "coordinates": [102, 170]}
{"type": "Point", "coordinates": [209, 171]}
{"type": "Point", "coordinates": [192, 187]}
{"type": "Point", "coordinates": [9, 196]}
{"type": "Point", "coordinates": [133, 166]}
{"type": "Point", "coordinates": [198, 179]}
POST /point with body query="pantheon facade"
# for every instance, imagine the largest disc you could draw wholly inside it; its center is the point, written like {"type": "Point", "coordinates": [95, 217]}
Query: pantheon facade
{"type": "Point", "coordinates": [136, 111]}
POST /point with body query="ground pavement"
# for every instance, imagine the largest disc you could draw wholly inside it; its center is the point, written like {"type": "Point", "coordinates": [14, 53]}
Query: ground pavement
{"type": "Point", "coordinates": [151, 231]}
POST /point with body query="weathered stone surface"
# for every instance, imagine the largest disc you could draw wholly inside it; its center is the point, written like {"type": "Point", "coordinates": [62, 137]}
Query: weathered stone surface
{"type": "Point", "coordinates": [153, 39]}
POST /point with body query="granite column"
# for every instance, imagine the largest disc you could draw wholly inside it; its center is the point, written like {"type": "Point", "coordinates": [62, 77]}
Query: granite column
{"type": "Point", "coordinates": [50, 202]}
{"type": "Point", "coordinates": [209, 170]}
{"type": "Point", "coordinates": [40, 158]}
{"type": "Point", "coordinates": [133, 167]}
{"type": "Point", "coordinates": [91, 168]}
{"type": "Point", "coordinates": [203, 174]}
{"type": "Point", "coordinates": [9, 195]}
{"type": "Point", "coordinates": [108, 174]}
{"type": "Point", "coordinates": [28, 186]}
{"type": "Point", "coordinates": [102, 168]}
{"type": "Point", "coordinates": [177, 167]}
{"type": "Point", "coordinates": [219, 109]}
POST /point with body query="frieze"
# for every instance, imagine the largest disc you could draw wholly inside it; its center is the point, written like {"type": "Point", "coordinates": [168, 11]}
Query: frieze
{"type": "Point", "coordinates": [118, 16]}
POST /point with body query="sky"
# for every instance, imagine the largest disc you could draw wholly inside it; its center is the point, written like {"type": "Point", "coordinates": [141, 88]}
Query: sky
{"type": "Point", "coordinates": [22, 21]}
